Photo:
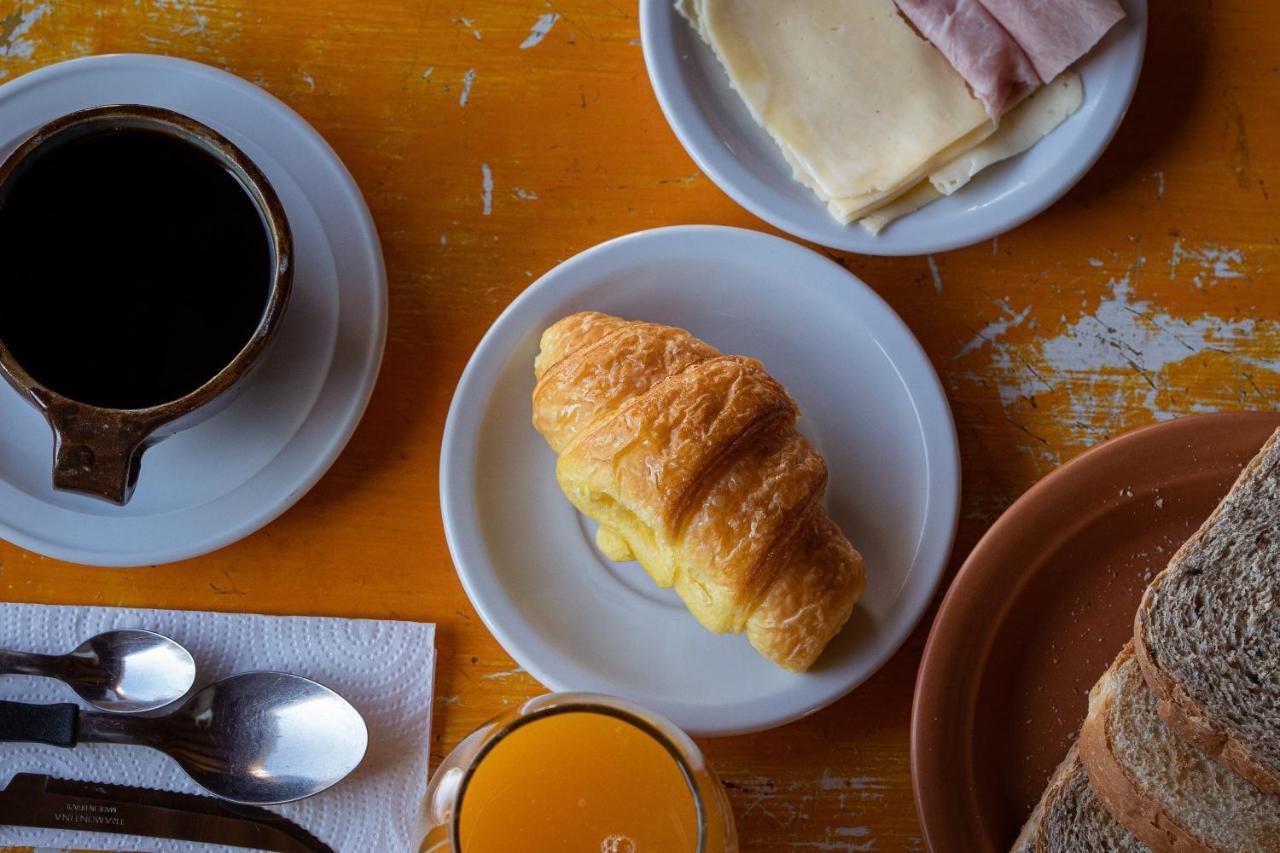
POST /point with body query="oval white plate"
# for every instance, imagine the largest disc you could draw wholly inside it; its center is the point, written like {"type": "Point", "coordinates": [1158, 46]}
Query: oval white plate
{"type": "Point", "coordinates": [872, 405]}
{"type": "Point", "coordinates": [718, 132]}
{"type": "Point", "coordinates": [227, 477]}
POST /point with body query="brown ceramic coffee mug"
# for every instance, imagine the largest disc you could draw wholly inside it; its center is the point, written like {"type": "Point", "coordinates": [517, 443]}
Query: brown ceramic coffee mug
{"type": "Point", "coordinates": [148, 267]}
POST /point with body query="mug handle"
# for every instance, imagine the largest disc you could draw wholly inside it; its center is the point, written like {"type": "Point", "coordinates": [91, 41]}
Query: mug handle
{"type": "Point", "coordinates": [98, 455]}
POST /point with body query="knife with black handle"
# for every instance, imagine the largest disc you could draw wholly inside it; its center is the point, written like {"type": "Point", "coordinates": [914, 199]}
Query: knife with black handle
{"type": "Point", "coordinates": [34, 800]}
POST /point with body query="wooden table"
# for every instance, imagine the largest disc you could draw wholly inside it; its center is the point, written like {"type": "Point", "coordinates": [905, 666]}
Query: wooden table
{"type": "Point", "coordinates": [1147, 293]}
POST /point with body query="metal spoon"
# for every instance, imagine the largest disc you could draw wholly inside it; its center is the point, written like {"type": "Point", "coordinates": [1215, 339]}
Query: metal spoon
{"type": "Point", "coordinates": [124, 672]}
{"type": "Point", "coordinates": [261, 738]}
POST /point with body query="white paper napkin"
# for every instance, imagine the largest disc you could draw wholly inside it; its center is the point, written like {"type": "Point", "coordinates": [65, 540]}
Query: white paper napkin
{"type": "Point", "coordinates": [385, 669]}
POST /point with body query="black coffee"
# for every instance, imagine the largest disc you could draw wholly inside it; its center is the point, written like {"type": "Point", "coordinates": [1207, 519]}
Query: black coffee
{"type": "Point", "coordinates": [133, 268]}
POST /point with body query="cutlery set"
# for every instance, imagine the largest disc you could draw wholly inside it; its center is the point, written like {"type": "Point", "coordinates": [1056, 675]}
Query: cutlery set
{"type": "Point", "coordinates": [250, 740]}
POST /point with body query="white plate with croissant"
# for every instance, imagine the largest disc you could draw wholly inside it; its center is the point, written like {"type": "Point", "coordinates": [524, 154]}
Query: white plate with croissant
{"type": "Point", "coordinates": [739, 489]}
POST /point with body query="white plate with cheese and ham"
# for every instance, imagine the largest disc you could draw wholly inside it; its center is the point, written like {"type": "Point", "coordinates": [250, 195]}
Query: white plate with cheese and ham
{"type": "Point", "coordinates": [840, 123]}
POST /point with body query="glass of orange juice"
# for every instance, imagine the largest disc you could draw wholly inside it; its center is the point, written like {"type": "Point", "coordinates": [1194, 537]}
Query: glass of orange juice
{"type": "Point", "coordinates": [570, 772]}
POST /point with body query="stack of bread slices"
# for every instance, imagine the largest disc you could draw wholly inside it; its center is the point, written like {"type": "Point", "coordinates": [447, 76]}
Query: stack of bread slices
{"type": "Point", "coordinates": [1181, 747]}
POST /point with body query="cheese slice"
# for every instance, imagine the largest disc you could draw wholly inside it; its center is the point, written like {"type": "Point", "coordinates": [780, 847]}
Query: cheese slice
{"type": "Point", "coordinates": [1026, 125]}
{"type": "Point", "coordinates": [1022, 128]}
{"type": "Point", "coordinates": [862, 107]}
{"type": "Point", "coordinates": [915, 198]}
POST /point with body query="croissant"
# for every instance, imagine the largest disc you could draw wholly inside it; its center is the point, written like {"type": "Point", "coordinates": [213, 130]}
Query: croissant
{"type": "Point", "coordinates": [691, 462]}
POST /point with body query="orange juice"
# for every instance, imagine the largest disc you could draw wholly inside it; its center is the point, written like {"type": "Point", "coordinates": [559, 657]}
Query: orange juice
{"type": "Point", "coordinates": [578, 781]}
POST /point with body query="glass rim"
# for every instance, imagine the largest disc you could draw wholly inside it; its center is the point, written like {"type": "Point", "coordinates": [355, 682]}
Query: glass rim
{"type": "Point", "coordinates": [608, 706]}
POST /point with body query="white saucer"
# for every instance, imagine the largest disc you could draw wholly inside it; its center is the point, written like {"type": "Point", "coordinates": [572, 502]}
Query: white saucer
{"type": "Point", "coordinates": [718, 132]}
{"type": "Point", "coordinates": [226, 478]}
{"type": "Point", "coordinates": [872, 405]}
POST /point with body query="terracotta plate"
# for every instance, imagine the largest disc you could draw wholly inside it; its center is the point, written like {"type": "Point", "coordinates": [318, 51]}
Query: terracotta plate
{"type": "Point", "coordinates": [1040, 608]}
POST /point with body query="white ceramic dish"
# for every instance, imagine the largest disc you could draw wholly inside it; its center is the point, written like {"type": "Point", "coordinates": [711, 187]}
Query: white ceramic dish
{"type": "Point", "coordinates": [872, 405]}
{"type": "Point", "coordinates": [718, 132]}
{"type": "Point", "coordinates": [223, 479]}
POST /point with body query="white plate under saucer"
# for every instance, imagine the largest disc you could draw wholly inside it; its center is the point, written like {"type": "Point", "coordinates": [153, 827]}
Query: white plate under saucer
{"type": "Point", "coordinates": [716, 129]}
{"type": "Point", "coordinates": [229, 476]}
{"type": "Point", "coordinates": [872, 405]}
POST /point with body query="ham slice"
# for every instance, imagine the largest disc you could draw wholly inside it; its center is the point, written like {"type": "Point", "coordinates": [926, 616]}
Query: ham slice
{"type": "Point", "coordinates": [984, 54]}
{"type": "Point", "coordinates": [1055, 33]}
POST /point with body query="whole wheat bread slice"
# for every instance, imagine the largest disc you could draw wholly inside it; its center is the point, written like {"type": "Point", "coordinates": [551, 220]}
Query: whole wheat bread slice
{"type": "Point", "coordinates": [1207, 633]}
{"type": "Point", "coordinates": [1070, 819]}
{"type": "Point", "coordinates": [1159, 787]}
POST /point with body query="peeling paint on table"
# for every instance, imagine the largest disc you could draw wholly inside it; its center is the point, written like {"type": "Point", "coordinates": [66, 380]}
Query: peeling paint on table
{"type": "Point", "coordinates": [540, 30]}
{"type": "Point", "coordinates": [486, 188]}
{"type": "Point", "coordinates": [1124, 354]}
{"type": "Point", "coordinates": [996, 329]}
{"type": "Point", "coordinates": [467, 80]}
{"type": "Point", "coordinates": [15, 27]}
{"type": "Point", "coordinates": [1216, 263]}
{"type": "Point", "coordinates": [933, 271]}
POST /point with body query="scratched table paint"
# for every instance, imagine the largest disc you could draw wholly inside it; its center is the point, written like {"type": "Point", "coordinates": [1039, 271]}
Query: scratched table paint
{"type": "Point", "coordinates": [494, 138]}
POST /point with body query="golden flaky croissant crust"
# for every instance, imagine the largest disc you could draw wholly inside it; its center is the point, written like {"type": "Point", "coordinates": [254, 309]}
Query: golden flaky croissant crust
{"type": "Point", "coordinates": [691, 462]}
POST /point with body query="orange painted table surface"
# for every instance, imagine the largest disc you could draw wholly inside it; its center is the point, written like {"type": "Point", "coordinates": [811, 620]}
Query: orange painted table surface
{"type": "Point", "coordinates": [1150, 291]}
